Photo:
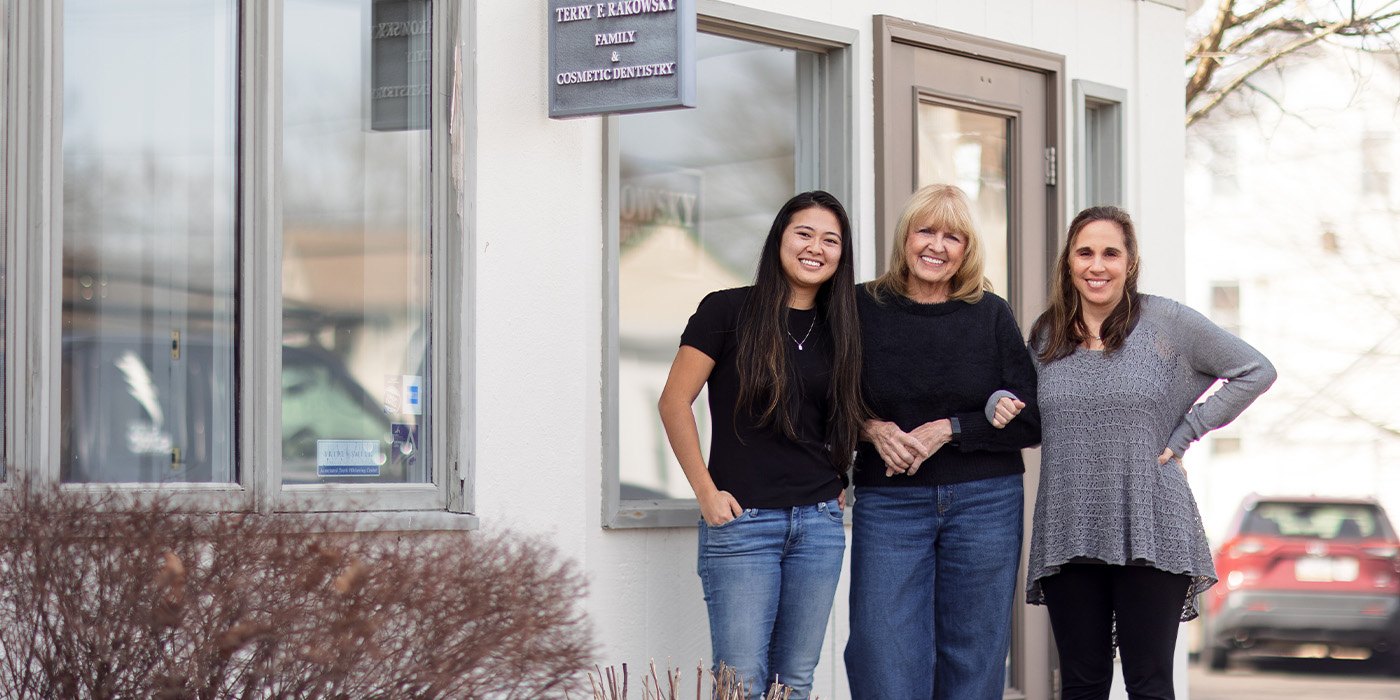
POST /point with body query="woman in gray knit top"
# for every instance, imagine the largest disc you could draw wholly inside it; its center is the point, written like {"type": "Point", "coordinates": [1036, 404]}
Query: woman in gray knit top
{"type": "Point", "coordinates": [1117, 536]}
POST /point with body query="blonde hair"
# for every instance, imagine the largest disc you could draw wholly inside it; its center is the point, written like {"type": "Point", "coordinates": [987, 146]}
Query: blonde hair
{"type": "Point", "coordinates": [946, 208]}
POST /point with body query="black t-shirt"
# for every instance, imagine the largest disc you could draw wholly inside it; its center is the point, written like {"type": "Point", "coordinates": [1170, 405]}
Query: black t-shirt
{"type": "Point", "coordinates": [923, 362]}
{"type": "Point", "coordinates": [761, 466]}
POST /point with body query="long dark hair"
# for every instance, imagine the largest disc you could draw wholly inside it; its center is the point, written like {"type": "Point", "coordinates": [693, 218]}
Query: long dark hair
{"type": "Point", "coordinates": [767, 379]}
{"type": "Point", "coordinates": [1062, 324]}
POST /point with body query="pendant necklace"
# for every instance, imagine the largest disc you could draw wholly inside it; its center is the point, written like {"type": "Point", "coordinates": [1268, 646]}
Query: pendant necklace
{"type": "Point", "coordinates": [804, 337]}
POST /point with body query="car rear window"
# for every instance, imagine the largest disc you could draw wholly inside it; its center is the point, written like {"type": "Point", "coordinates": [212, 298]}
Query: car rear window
{"type": "Point", "coordinates": [1328, 521]}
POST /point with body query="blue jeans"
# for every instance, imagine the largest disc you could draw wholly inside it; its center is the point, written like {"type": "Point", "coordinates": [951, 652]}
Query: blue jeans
{"type": "Point", "coordinates": [933, 576]}
{"type": "Point", "coordinates": [769, 577]}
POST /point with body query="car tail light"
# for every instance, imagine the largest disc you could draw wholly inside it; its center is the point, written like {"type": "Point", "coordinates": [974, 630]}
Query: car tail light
{"type": "Point", "coordinates": [1387, 551]}
{"type": "Point", "coordinates": [1239, 577]}
{"type": "Point", "coordinates": [1383, 580]}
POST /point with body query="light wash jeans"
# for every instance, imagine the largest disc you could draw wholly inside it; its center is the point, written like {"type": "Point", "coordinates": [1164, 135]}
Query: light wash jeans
{"type": "Point", "coordinates": [933, 576]}
{"type": "Point", "coordinates": [769, 577]}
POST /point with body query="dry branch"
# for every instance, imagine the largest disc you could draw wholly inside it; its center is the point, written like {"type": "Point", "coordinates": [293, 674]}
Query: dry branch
{"type": "Point", "coordinates": [98, 600]}
{"type": "Point", "coordinates": [1244, 38]}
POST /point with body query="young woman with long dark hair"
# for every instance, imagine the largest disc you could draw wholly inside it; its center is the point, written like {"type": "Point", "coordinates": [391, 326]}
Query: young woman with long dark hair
{"type": "Point", "coordinates": [1117, 545]}
{"type": "Point", "coordinates": [782, 361]}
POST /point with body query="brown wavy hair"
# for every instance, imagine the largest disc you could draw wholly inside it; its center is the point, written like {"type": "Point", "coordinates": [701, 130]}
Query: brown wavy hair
{"type": "Point", "coordinates": [1061, 328]}
{"type": "Point", "coordinates": [767, 376]}
{"type": "Point", "coordinates": [947, 208]}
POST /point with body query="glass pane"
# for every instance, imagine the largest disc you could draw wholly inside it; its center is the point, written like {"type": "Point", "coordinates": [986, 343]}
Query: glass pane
{"type": "Point", "coordinates": [355, 235]}
{"type": "Point", "coordinates": [149, 187]}
{"type": "Point", "coordinates": [1321, 520]}
{"type": "Point", "coordinates": [4, 217]}
{"type": "Point", "coordinates": [968, 149]}
{"type": "Point", "coordinates": [699, 191]}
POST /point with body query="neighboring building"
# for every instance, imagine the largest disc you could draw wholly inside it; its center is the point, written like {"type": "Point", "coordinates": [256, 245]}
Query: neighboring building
{"type": "Point", "coordinates": [1293, 241]}
{"type": "Point", "coordinates": [249, 263]}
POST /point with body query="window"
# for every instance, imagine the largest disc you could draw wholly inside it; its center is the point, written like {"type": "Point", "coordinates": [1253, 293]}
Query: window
{"type": "Point", "coordinates": [1099, 127]}
{"type": "Point", "coordinates": [1225, 305]}
{"type": "Point", "coordinates": [355, 241]}
{"type": "Point", "coordinates": [693, 194]}
{"type": "Point", "coordinates": [1224, 163]}
{"type": "Point", "coordinates": [251, 241]}
{"type": "Point", "coordinates": [1221, 445]}
{"type": "Point", "coordinates": [6, 20]}
{"type": "Point", "coordinates": [1376, 163]}
{"type": "Point", "coordinates": [148, 183]}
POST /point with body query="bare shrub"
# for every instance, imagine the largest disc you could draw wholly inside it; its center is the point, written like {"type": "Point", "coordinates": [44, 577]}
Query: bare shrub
{"type": "Point", "coordinates": [100, 599]}
{"type": "Point", "coordinates": [724, 684]}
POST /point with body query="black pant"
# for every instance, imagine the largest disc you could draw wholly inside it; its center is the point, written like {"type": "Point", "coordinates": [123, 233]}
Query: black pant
{"type": "Point", "coordinates": [1083, 600]}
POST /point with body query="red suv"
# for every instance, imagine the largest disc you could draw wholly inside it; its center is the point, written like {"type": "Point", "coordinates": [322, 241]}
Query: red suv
{"type": "Point", "coordinates": [1319, 576]}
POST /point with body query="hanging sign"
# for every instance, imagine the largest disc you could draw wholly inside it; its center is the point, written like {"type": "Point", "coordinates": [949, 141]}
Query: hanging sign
{"type": "Point", "coordinates": [620, 56]}
{"type": "Point", "coordinates": [400, 40]}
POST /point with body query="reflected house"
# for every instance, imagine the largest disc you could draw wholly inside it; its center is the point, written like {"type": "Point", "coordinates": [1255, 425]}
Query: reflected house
{"type": "Point", "coordinates": [664, 270]}
{"type": "Point", "coordinates": [345, 295]}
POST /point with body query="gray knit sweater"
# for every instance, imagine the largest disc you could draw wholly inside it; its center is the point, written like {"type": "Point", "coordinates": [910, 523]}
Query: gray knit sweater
{"type": "Point", "coordinates": [1104, 420]}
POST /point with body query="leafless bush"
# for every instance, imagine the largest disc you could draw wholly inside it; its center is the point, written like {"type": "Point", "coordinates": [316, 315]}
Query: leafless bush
{"type": "Point", "coordinates": [102, 600]}
{"type": "Point", "coordinates": [724, 684]}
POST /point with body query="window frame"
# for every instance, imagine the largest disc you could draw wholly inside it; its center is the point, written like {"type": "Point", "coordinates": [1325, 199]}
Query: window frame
{"type": "Point", "coordinates": [7, 12]}
{"type": "Point", "coordinates": [34, 240]}
{"type": "Point", "coordinates": [1100, 175]}
{"type": "Point", "coordinates": [826, 96]}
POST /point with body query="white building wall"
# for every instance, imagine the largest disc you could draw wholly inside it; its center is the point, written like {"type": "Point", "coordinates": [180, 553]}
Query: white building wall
{"type": "Point", "coordinates": [1329, 319]}
{"type": "Point", "coordinates": [537, 296]}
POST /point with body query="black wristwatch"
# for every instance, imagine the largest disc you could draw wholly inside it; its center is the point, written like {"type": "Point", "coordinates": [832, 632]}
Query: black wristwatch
{"type": "Point", "coordinates": [957, 429]}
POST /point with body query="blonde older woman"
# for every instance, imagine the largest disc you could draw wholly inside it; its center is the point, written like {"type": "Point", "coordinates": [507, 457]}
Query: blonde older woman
{"type": "Point", "coordinates": [937, 523]}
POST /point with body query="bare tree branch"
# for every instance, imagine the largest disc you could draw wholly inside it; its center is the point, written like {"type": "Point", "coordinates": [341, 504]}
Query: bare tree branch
{"type": "Point", "coordinates": [1230, 87]}
{"type": "Point", "coordinates": [1240, 42]}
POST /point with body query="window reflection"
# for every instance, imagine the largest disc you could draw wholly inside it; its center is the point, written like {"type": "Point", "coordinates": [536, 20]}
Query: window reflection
{"type": "Point", "coordinates": [355, 282]}
{"type": "Point", "coordinates": [968, 149]}
{"type": "Point", "coordinates": [149, 115]}
{"type": "Point", "coordinates": [699, 189]}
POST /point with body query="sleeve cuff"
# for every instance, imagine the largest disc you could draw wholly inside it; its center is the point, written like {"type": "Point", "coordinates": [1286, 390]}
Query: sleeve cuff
{"type": "Point", "coordinates": [1180, 440]}
{"type": "Point", "coordinates": [990, 410]}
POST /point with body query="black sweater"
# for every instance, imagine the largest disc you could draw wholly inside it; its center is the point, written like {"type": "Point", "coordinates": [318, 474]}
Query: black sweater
{"type": "Point", "coordinates": [924, 362]}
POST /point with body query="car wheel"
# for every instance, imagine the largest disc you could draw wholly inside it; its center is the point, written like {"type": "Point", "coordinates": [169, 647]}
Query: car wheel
{"type": "Point", "coordinates": [1217, 657]}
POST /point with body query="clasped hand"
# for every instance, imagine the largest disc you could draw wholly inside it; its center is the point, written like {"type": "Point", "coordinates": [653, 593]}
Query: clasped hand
{"type": "Point", "coordinates": [1007, 408]}
{"type": "Point", "coordinates": [903, 452]}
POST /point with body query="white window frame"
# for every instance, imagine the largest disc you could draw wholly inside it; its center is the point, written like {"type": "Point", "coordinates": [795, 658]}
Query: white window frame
{"type": "Point", "coordinates": [1099, 114]}
{"type": "Point", "coordinates": [827, 161]}
{"type": "Point", "coordinates": [34, 251]}
{"type": "Point", "coordinates": [7, 17]}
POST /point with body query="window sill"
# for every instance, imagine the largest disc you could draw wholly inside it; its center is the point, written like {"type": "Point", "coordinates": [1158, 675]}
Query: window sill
{"type": "Point", "coordinates": [391, 521]}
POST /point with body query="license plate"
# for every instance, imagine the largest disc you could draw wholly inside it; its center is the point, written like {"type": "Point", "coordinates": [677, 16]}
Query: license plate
{"type": "Point", "coordinates": [1326, 569]}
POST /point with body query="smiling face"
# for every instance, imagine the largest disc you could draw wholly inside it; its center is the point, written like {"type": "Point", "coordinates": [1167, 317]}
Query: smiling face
{"type": "Point", "coordinates": [933, 255]}
{"type": "Point", "coordinates": [810, 250]}
{"type": "Point", "coordinates": [1098, 265]}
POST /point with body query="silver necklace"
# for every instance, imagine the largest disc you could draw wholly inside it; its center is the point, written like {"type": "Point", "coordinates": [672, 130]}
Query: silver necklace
{"type": "Point", "coordinates": [805, 336]}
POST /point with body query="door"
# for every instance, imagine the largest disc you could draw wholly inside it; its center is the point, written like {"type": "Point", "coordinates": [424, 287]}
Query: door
{"type": "Point", "coordinates": [958, 109]}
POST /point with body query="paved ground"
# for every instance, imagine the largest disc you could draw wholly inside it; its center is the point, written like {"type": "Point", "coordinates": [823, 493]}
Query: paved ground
{"type": "Point", "coordinates": [1295, 679]}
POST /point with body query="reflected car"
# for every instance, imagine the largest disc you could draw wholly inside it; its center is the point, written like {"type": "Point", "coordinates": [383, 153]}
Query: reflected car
{"type": "Point", "coordinates": [135, 413]}
{"type": "Point", "coordinates": [1306, 576]}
